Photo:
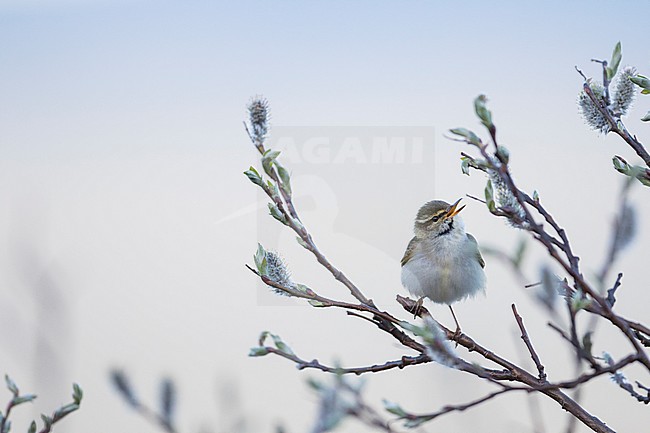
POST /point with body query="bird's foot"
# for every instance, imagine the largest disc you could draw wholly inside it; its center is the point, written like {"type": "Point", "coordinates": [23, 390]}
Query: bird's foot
{"type": "Point", "coordinates": [456, 335]}
{"type": "Point", "coordinates": [417, 310]}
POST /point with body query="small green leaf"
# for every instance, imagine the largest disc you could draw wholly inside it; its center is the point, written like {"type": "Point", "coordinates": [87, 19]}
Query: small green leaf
{"type": "Point", "coordinates": [483, 113]}
{"type": "Point", "coordinates": [65, 410]}
{"type": "Point", "coordinates": [503, 154]}
{"type": "Point", "coordinates": [642, 174]}
{"type": "Point", "coordinates": [489, 197]}
{"type": "Point", "coordinates": [536, 196]}
{"type": "Point", "coordinates": [260, 260]}
{"type": "Point", "coordinates": [468, 135]}
{"type": "Point", "coordinates": [464, 165]}
{"type": "Point", "coordinates": [46, 420]}
{"type": "Point", "coordinates": [77, 393]}
{"type": "Point", "coordinates": [268, 160]}
{"type": "Point", "coordinates": [641, 81]}
{"type": "Point", "coordinates": [275, 213]}
{"type": "Point", "coordinates": [394, 408]}
{"type": "Point", "coordinates": [11, 385]}
{"type": "Point", "coordinates": [23, 399]}
{"type": "Point", "coordinates": [263, 336]}
{"type": "Point", "coordinates": [646, 118]}
{"type": "Point", "coordinates": [612, 68]}
{"type": "Point", "coordinates": [285, 178]}
{"type": "Point", "coordinates": [258, 351]}
{"type": "Point", "coordinates": [304, 289]}
{"type": "Point", "coordinates": [302, 243]}
{"type": "Point", "coordinates": [579, 301]}
{"type": "Point", "coordinates": [273, 189]}
{"type": "Point", "coordinates": [621, 165]}
{"type": "Point", "coordinates": [315, 303]}
{"type": "Point", "coordinates": [254, 176]}
{"type": "Point", "coordinates": [281, 345]}
{"type": "Point", "coordinates": [32, 427]}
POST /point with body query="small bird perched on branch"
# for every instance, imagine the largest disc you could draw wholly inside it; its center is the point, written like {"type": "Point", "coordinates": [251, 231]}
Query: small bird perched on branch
{"type": "Point", "coordinates": [442, 262]}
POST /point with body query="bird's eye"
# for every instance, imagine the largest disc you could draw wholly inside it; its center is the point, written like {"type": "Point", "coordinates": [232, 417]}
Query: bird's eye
{"type": "Point", "coordinates": [435, 218]}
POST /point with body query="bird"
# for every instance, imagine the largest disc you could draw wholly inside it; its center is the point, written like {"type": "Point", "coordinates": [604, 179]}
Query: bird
{"type": "Point", "coordinates": [442, 262]}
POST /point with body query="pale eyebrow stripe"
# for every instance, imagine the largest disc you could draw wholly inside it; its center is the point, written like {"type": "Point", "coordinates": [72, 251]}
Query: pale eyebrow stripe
{"type": "Point", "coordinates": [429, 218]}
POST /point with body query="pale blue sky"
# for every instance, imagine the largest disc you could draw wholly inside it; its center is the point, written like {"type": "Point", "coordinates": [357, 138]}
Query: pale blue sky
{"type": "Point", "coordinates": [92, 66]}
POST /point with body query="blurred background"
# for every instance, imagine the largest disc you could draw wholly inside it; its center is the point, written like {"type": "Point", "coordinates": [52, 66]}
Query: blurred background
{"type": "Point", "coordinates": [126, 221]}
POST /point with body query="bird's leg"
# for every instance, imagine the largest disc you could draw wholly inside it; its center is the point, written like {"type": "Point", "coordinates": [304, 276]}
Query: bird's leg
{"type": "Point", "coordinates": [418, 307]}
{"type": "Point", "coordinates": [457, 333]}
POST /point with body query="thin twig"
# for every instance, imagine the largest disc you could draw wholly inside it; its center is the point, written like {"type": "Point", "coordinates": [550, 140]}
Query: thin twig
{"type": "Point", "coordinates": [571, 266]}
{"type": "Point", "coordinates": [388, 323]}
{"type": "Point", "coordinates": [606, 80]}
{"type": "Point", "coordinates": [286, 207]}
{"type": "Point", "coordinates": [581, 353]}
{"type": "Point", "coordinates": [586, 377]}
{"type": "Point", "coordinates": [611, 298]}
{"type": "Point", "coordinates": [384, 320]}
{"type": "Point", "coordinates": [529, 344]}
{"type": "Point", "coordinates": [463, 407]}
{"type": "Point", "coordinates": [302, 364]}
{"type": "Point", "coordinates": [5, 418]}
{"type": "Point", "coordinates": [475, 198]}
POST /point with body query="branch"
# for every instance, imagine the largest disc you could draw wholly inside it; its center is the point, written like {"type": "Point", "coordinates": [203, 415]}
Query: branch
{"type": "Point", "coordinates": [617, 126]}
{"type": "Point", "coordinates": [515, 373]}
{"type": "Point", "coordinates": [284, 203]}
{"type": "Point", "coordinates": [580, 351]}
{"type": "Point", "coordinates": [413, 420]}
{"type": "Point", "coordinates": [571, 267]}
{"type": "Point", "coordinates": [620, 379]}
{"type": "Point", "coordinates": [302, 364]}
{"type": "Point", "coordinates": [384, 320]}
{"type": "Point", "coordinates": [611, 299]}
{"type": "Point", "coordinates": [557, 245]}
{"type": "Point", "coordinates": [344, 399]}
{"type": "Point", "coordinates": [529, 344]}
{"type": "Point", "coordinates": [606, 80]}
{"type": "Point", "coordinates": [586, 377]}
{"type": "Point", "coordinates": [123, 386]}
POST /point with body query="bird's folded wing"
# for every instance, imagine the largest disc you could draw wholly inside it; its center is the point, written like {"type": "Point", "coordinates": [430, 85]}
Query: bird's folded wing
{"type": "Point", "coordinates": [473, 241]}
{"type": "Point", "coordinates": [410, 250]}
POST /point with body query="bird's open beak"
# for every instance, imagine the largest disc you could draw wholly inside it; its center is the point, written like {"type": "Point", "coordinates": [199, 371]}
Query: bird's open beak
{"type": "Point", "coordinates": [454, 209]}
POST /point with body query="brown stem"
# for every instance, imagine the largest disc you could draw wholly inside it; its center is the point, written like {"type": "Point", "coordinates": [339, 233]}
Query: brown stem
{"type": "Point", "coordinates": [302, 364]}
{"type": "Point", "coordinates": [572, 266]}
{"type": "Point", "coordinates": [617, 126]}
{"type": "Point", "coordinates": [520, 375]}
{"type": "Point", "coordinates": [529, 344]}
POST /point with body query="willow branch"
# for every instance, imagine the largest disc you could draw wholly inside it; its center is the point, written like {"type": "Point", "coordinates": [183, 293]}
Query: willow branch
{"type": "Point", "coordinates": [462, 407]}
{"type": "Point", "coordinates": [570, 266]}
{"type": "Point", "coordinates": [529, 344]}
{"type": "Point", "coordinates": [302, 364]}
{"type": "Point", "coordinates": [286, 207]}
{"type": "Point", "coordinates": [617, 126]}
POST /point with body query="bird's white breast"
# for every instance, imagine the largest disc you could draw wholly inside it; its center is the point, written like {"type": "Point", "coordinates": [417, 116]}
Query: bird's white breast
{"type": "Point", "coordinates": [444, 269]}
